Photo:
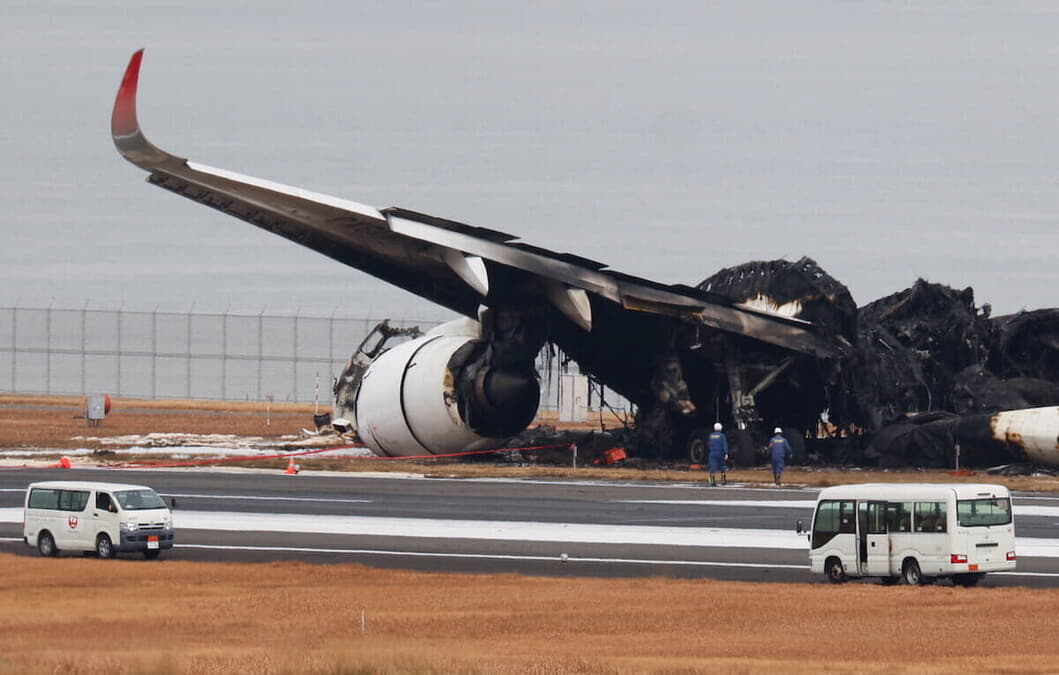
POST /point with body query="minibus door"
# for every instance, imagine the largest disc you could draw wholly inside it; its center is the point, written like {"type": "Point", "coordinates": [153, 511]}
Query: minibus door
{"type": "Point", "coordinates": [875, 545]}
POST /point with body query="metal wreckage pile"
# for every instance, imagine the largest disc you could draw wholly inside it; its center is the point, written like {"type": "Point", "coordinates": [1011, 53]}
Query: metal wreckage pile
{"type": "Point", "coordinates": [924, 370]}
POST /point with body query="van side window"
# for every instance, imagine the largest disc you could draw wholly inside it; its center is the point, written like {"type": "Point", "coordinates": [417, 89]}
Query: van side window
{"type": "Point", "coordinates": [104, 503]}
{"type": "Point", "coordinates": [931, 517]}
{"type": "Point", "coordinates": [41, 498]}
{"type": "Point", "coordinates": [72, 500]}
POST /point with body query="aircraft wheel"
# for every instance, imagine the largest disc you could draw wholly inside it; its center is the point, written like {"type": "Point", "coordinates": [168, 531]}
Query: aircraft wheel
{"type": "Point", "coordinates": [741, 448]}
{"type": "Point", "coordinates": [698, 445]}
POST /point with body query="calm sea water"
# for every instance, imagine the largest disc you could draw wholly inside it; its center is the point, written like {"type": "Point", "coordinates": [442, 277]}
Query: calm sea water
{"type": "Point", "coordinates": [888, 140]}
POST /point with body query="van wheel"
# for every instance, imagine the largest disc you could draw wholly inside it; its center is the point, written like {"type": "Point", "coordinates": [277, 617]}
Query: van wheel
{"type": "Point", "coordinates": [967, 580]}
{"type": "Point", "coordinates": [834, 571]}
{"type": "Point", "coordinates": [46, 545]}
{"type": "Point", "coordinates": [911, 573]}
{"type": "Point", "coordinates": [104, 547]}
{"type": "Point", "coordinates": [151, 554]}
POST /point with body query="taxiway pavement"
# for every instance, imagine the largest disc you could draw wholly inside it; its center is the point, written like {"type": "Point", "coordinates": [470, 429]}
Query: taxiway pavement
{"type": "Point", "coordinates": [550, 527]}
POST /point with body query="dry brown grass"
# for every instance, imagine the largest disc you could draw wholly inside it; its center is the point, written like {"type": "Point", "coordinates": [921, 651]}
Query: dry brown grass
{"type": "Point", "coordinates": [87, 615]}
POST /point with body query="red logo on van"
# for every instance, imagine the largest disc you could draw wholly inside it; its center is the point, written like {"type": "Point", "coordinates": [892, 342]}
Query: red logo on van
{"type": "Point", "coordinates": [72, 522]}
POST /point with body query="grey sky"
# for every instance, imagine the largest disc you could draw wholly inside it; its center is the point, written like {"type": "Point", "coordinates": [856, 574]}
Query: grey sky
{"type": "Point", "coordinates": [669, 139]}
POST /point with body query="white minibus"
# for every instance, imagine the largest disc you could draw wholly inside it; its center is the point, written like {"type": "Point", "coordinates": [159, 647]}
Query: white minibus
{"type": "Point", "coordinates": [912, 532]}
{"type": "Point", "coordinates": [106, 518]}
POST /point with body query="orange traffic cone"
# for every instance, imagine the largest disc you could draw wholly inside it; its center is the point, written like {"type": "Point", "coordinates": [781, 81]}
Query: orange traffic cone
{"type": "Point", "coordinates": [63, 463]}
{"type": "Point", "coordinates": [292, 468]}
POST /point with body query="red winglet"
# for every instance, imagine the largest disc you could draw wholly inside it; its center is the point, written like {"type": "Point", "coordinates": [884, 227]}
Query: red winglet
{"type": "Point", "coordinates": [123, 121]}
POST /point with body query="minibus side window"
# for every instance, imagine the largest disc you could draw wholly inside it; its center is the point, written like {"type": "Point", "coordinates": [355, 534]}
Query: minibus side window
{"type": "Point", "coordinates": [899, 517]}
{"type": "Point", "coordinates": [43, 498]}
{"type": "Point", "coordinates": [72, 500]}
{"type": "Point", "coordinates": [930, 517]}
{"type": "Point", "coordinates": [833, 517]}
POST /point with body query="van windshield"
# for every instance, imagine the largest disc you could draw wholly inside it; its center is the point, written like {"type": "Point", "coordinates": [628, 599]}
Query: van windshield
{"type": "Point", "coordinates": [139, 500]}
{"type": "Point", "coordinates": [982, 512]}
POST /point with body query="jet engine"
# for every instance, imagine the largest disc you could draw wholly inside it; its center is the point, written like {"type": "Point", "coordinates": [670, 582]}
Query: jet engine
{"type": "Point", "coordinates": [439, 394]}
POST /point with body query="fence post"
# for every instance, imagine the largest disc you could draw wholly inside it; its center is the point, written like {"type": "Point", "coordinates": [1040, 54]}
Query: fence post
{"type": "Point", "coordinates": [154, 353]}
{"type": "Point", "coordinates": [47, 356]}
{"type": "Point", "coordinates": [121, 310]}
{"type": "Point", "coordinates": [331, 343]}
{"type": "Point", "coordinates": [187, 354]}
{"type": "Point", "coordinates": [294, 356]}
{"type": "Point", "coordinates": [260, 349]}
{"type": "Point", "coordinates": [224, 354]}
{"type": "Point", "coordinates": [84, 347]}
{"type": "Point", "coordinates": [14, 346]}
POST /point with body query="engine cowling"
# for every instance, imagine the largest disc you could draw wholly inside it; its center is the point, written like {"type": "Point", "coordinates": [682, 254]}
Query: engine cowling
{"type": "Point", "coordinates": [417, 399]}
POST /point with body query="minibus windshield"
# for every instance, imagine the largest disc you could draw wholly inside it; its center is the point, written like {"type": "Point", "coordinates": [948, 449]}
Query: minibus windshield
{"type": "Point", "coordinates": [982, 512]}
{"type": "Point", "coordinates": [139, 500]}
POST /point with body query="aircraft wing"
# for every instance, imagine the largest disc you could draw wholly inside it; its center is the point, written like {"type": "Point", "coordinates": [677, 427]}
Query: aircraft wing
{"type": "Point", "coordinates": [455, 265]}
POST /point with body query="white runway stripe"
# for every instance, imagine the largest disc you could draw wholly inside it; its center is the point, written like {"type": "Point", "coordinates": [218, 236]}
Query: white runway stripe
{"type": "Point", "coordinates": [497, 530]}
{"type": "Point", "coordinates": [490, 556]}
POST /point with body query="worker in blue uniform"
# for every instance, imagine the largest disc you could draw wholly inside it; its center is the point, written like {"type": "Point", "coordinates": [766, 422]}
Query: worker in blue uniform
{"type": "Point", "coordinates": [779, 453]}
{"type": "Point", "coordinates": [718, 443]}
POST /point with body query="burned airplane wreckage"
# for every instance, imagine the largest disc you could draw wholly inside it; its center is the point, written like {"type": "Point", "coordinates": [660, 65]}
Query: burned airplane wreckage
{"type": "Point", "coordinates": [924, 376]}
{"type": "Point", "coordinates": [903, 380]}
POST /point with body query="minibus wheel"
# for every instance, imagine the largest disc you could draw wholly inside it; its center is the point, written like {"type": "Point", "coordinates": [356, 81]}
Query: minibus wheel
{"type": "Point", "coordinates": [104, 547]}
{"type": "Point", "coordinates": [46, 545]}
{"type": "Point", "coordinates": [834, 571]}
{"type": "Point", "coordinates": [911, 573]}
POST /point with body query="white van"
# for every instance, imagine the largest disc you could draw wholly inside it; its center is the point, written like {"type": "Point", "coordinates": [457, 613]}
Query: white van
{"type": "Point", "coordinates": [106, 518]}
{"type": "Point", "coordinates": [912, 532]}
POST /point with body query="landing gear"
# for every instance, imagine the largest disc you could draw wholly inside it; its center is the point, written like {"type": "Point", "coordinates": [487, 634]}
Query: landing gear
{"type": "Point", "coordinates": [698, 446]}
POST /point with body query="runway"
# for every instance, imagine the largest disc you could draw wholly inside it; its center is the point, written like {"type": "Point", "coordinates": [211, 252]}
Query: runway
{"type": "Point", "coordinates": [549, 527]}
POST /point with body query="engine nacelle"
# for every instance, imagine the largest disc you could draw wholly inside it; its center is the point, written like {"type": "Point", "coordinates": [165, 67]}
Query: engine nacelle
{"type": "Point", "coordinates": [416, 399]}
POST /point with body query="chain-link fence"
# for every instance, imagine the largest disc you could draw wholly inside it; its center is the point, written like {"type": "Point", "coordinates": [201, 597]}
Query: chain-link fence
{"type": "Point", "coordinates": [229, 356]}
{"type": "Point", "coordinates": [182, 355]}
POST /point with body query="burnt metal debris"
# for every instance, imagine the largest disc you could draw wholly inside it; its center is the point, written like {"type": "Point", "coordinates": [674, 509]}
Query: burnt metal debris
{"type": "Point", "coordinates": [926, 371]}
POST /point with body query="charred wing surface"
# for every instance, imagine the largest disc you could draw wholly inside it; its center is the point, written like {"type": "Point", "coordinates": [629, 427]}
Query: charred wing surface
{"type": "Point", "coordinates": [629, 332]}
{"type": "Point", "coordinates": [444, 261]}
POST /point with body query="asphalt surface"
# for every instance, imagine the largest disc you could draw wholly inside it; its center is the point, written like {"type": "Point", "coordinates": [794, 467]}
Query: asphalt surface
{"type": "Point", "coordinates": [495, 526]}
